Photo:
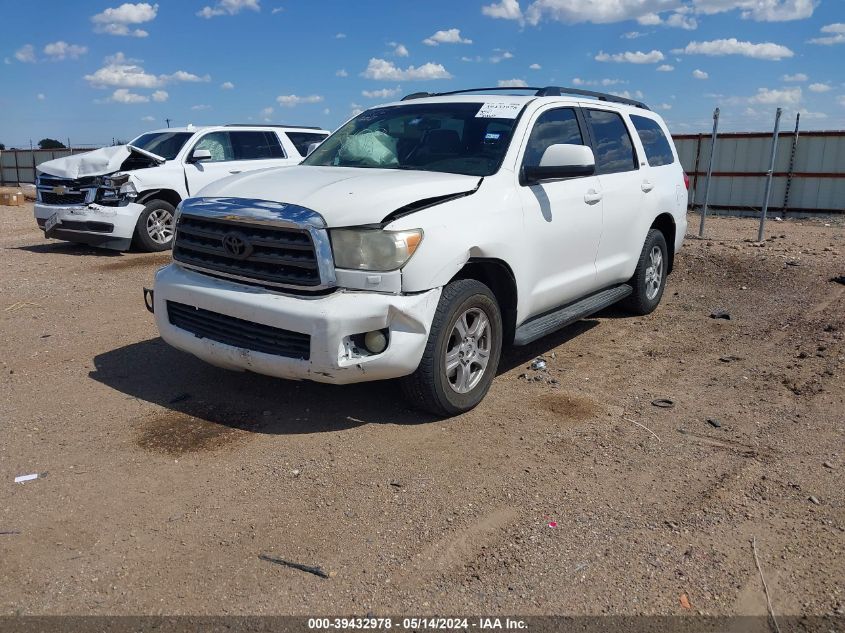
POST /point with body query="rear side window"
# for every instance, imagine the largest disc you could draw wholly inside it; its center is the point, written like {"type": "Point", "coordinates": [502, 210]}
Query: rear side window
{"type": "Point", "coordinates": [218, 144]}
{"type": "Point", "coordinates": [256, 145]}
{"type": "Point", "coordinates": [301, 140]}
{"type": "Point", "coordinates": [552, 128]}
{"type": "Point", "coordinates": [612, 143]}
{"type": "Point", "coordinates": [658, 151]}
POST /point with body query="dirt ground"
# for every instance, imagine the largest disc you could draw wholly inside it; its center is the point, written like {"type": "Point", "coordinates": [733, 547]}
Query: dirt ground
{"type": "Point", "coordinates": [164, 478]}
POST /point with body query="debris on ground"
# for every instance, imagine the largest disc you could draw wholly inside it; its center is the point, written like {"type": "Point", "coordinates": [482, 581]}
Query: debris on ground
{"type": "Point", "coordinates": [729, 358]}
{"type": "Point", "coordinates": [814, 500]}
{"type": "Point", "coordinates": [23, 478]}
{"type": "Point", "coordinates": [720, 313]}
{"type": "Point", "coordinates": [538, 364]}
{"type": "Point", "coordinates": [310, 569]}
{"type": "Point", "coordinates": [684, 600]}
{"type": "Point", "coordinates": [828, 465]}
{"type": "Point", "coordinates": [840, 279]}
{"type": "Point", "coordinates": [714, 423]}
{"type": "Point", "coordinates": [663, 403]}
{"type": "Point", "coordinates": [9, 532]}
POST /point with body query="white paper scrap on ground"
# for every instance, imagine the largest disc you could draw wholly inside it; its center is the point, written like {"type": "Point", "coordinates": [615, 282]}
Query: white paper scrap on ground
{"type": "Point", "coordinates": [499, 111]}
{"type": "Point", "coordinates": [22, 478]}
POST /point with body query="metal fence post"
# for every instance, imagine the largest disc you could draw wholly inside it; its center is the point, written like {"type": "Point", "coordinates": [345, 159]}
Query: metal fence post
{"type": "Point", "coordinates": [791, 171]}
{"type": "Point", "coordinates": [769, 177]}
{"type": "Point", "coordinates": [709, 171]}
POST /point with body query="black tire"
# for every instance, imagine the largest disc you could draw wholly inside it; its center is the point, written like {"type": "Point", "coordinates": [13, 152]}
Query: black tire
{"type": "Point", "coordinates": [430, 387]}
{"type": "Point", "coordinates": [639, 302]}
{"type": "Point", "coordinates": [143, 238]}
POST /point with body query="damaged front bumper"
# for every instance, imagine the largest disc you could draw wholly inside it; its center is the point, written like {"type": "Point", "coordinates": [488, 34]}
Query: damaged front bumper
{"type": "Point", "coordinates": [93, 224]}
{"type": "Point", "coordinates": [327, 328]}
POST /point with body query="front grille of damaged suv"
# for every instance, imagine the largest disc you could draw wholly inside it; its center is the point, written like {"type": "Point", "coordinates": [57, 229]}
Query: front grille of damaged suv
{"type": "Point", "coordinates": [277, 256]}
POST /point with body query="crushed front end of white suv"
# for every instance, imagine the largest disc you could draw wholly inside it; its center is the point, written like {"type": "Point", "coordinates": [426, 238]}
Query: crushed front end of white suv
{"type": "Point", "coordinates": [424, 235]}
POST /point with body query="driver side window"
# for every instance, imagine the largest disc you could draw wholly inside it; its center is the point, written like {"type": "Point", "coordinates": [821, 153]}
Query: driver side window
{"type": "Point", "coordinates": [219, 144]}
{"type": "Point", "coordinates": [552, 127]}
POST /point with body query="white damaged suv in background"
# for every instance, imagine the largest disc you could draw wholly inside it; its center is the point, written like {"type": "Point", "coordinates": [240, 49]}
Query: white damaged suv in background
{"type": "Point", "coordinates": [115, 196]}
{"type": "Point", "coordinates": [424, 235]}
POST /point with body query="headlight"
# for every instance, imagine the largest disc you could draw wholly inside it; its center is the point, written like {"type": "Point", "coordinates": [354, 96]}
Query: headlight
{"type": "Point", "coordinates": [115, 182]}
{"type": "Point", "coordinates": [374, 249]}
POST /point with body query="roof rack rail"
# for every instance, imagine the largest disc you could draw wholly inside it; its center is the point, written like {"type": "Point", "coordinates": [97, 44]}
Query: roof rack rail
{"type": "Point", "coordinates": [548, 91]}
{"type": "Point", "coordinates": [301, 127]}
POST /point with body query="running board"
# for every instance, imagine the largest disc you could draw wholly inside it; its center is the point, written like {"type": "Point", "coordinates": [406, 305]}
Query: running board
{"type": "Point", "coordinates": [539, 327]}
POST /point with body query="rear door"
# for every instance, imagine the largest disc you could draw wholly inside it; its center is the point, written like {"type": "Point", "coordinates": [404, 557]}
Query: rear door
{"type": "Point", "coordinates": [621, 180]}
{"type": "Point", "coordinates": [562, 218]}
{"type": "Point", "coordinates": [257, 149]}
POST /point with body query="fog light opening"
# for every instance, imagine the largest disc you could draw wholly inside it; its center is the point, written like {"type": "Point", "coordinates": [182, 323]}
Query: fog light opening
{"type": "Point", "coordinates": [376, 341]}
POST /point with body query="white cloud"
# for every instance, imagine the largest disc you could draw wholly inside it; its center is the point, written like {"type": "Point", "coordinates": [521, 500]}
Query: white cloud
{"type": "Point", "coordinates": [124, 95]}
{"type": "Point", "coordinates": [120, 71]}
{"type": "Point", "coordinates": [666, 68]}
{"type": "Point", "coordinates": [637, 94]}
{"type": "Point", "coordinates": [629, 57]}
{"type": "Point", "coordinates": [504, 9]}
{"type": "Point", "coordinates": [664, 106]}
{"type": "Point", "coordinates": [290, 101]}
{"type": "Point", "coordinates": [201, 106]}
{"type": "Point", "coordinates": [760, 10]}
{"type": "Point", "coordinates": [732, 46]}
{"type": "Point", "coordinates": [577, 81]}
{"type": "Point", "coordinates": [449, 36]}
{"type": "Point", "coordinates": [841, 100]}
{"type": "Point", "coordinates": [148, 118]}
{"type": "Point", "coordinates": [340, 36]}
{"type": "Point", "coordinates": [837, 35]}
{"type": "Point", "coordinates": [785, 97]}
{"type": "Point", "coordinates": [384, 93]}
{"type": "Point", "coordinates": [266, 113]}
{"type": "Point", "coordinates": [681, 20]}
{"type": "Point", "coordinates": [512, 83]}
{"type": "Point", "coordinates": [26, 54]}
{"type": "Point", "coordinates": [477, 58]}
{"type": "Point", "coordinates": [277, 10]}
{"type": "Point", "coordinates": [797, 77]}
{"type": "Point", "coordinates": [535, 67]}
{"type": "Point", "coordinates": [40, 96]}
{"type": "Point", "coordinates": [160, 96]}
{"type": "Point", "coordinates": [819, 87]}
{"type": "Point", "coordinates": [119, 20]}
{"type": "Point", "coordinates": [398, 49]}
{"type": "Point", "coordinates": [383, 70]}
{"type": "Point", "coordinates": [326, 111]}
{"type": "Point", "coordinates": [700, 74]}
{"type": "Point", "coordinates": [632, 35]}
{"type": "Point", "coordinates": [341, 73]}
{"type": "Point", "coordinates": [499, 55]}
{"type": "Point", "coordinates": [228, 7]}
{"type": "Point", "coordinates": [62, 50]}
{"type": "Point", "coordinates": [650, 19]}
{"type": "Point", "coordinates": [227, 85]}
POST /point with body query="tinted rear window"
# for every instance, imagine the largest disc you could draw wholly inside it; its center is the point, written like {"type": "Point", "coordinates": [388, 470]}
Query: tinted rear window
{"type": "Point", "coordinates": [613, 148]}
{"type": "Point", "coordinates": [256, 145]}
{"type": "Point", "coordinates": [301, 140]}
{"type": "Point", "coordinates": [658, 151]}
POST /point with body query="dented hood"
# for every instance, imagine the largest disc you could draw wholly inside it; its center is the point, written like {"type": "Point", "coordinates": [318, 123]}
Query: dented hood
{"type": "Point", "coordinates": [102, 161]}
{"type": "Point", "coordinates": [344, 196]}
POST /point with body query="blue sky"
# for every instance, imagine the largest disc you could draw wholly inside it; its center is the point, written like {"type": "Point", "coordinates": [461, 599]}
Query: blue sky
{"type": "Point", "coordinates": [94, 70]}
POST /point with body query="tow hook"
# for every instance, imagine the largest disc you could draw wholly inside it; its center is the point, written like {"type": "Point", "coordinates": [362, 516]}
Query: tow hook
{"type": "Point", "coordinates": [149, 300]}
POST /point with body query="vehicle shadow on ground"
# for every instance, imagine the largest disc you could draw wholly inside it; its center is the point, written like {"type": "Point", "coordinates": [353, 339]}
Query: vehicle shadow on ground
{"type": "Point", "coordinates": [67, 248]}
{"type": "Point", "coordinates": [513, 357]}
{"type": "Point", "coordinates": [153, 371]}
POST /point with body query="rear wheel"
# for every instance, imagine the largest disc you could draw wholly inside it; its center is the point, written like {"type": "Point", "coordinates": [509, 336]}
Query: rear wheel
{"type": "Point", "coordinates": [155, 228]}
{"type": "Point", "coordinates": [462, 353]}
{"type": "Point", "coordinates": [649, 279]}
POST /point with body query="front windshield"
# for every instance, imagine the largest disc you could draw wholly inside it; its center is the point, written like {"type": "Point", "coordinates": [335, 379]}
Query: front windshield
{"type": "Point", "coordinates": [164, 144]}
{"type": "Point", "coordinates": [459, 138]}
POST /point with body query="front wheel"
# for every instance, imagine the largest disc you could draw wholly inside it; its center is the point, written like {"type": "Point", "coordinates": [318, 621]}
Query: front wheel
{"type": "Point", "coordinates": [462, 353]}
{"type": "Point", "coordinates": [649, 279]}
{"type": "Point", "coordinates": [155, 228]}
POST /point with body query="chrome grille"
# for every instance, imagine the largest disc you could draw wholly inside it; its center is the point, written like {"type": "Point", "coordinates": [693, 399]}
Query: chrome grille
{"type": "Point", "coordinates": [66, 191]}
{"type": "Point", "coordinates": [277, 255]}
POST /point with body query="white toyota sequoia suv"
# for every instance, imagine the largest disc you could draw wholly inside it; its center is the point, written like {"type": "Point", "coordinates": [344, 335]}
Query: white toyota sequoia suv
{"type": "Point", "coordinates": [424, 235]}
{"type": "Point", "coordinates": [114, 196]}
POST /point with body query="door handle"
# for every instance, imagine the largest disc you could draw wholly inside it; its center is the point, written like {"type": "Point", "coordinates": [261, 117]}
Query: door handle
{"type": "Point", "coordinates": [647, 186]}
{"type": "Point", "coordinates": [592, 197]}
{"type": "Point", "coordinates": [235, 171]}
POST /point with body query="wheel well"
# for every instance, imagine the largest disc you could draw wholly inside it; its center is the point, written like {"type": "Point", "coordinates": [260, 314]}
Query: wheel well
{"type": "Point", "coordinates": [498, 276]}
{"type": "Point", "coordinates": [665, 223]}
{"type": "Point", "coordinates": [168, 195]}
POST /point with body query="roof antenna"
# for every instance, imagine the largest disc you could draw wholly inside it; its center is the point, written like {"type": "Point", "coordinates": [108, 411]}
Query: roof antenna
{"type": "Point", "coordinates": [168, 122]}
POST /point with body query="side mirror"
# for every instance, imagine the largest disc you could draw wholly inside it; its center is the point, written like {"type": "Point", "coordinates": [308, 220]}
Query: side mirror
{"type": "Point", "coordinates": [562, 160]}
{"type": "Point", "coordinates": [200, 155]}
{"type": "Point", "coordinates": [311, 148]}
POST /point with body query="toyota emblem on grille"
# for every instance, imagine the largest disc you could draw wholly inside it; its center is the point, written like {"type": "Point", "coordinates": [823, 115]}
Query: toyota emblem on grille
{"type": "Point", "coordinates": [237, 245]}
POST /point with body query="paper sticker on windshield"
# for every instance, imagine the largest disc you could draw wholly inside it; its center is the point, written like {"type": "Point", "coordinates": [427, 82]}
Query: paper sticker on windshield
{"type": "Point", "coordinates": [499, 111]}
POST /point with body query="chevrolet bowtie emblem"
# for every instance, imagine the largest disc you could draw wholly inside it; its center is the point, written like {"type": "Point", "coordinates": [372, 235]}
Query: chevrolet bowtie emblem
{"type": "Point", "coordinates": [62, 190]}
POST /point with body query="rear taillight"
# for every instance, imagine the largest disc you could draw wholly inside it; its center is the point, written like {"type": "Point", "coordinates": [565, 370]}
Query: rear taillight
{"type": "Point", "coordinates": [686, 181]}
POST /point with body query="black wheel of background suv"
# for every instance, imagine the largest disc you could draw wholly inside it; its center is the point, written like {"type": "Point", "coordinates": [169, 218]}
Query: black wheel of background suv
{"type": "Point", "coordinates": [462, 353]}
{"type": "Point", "coordinates": [649, 279]}
{"type": "Point", "coordinates": [154, 230]}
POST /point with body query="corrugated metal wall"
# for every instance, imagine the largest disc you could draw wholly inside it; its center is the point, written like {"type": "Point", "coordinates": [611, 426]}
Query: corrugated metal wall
{"type": "Point", "coordinates": [816, 181]}
{"type": "Point", "coordinates": [18, 165]}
